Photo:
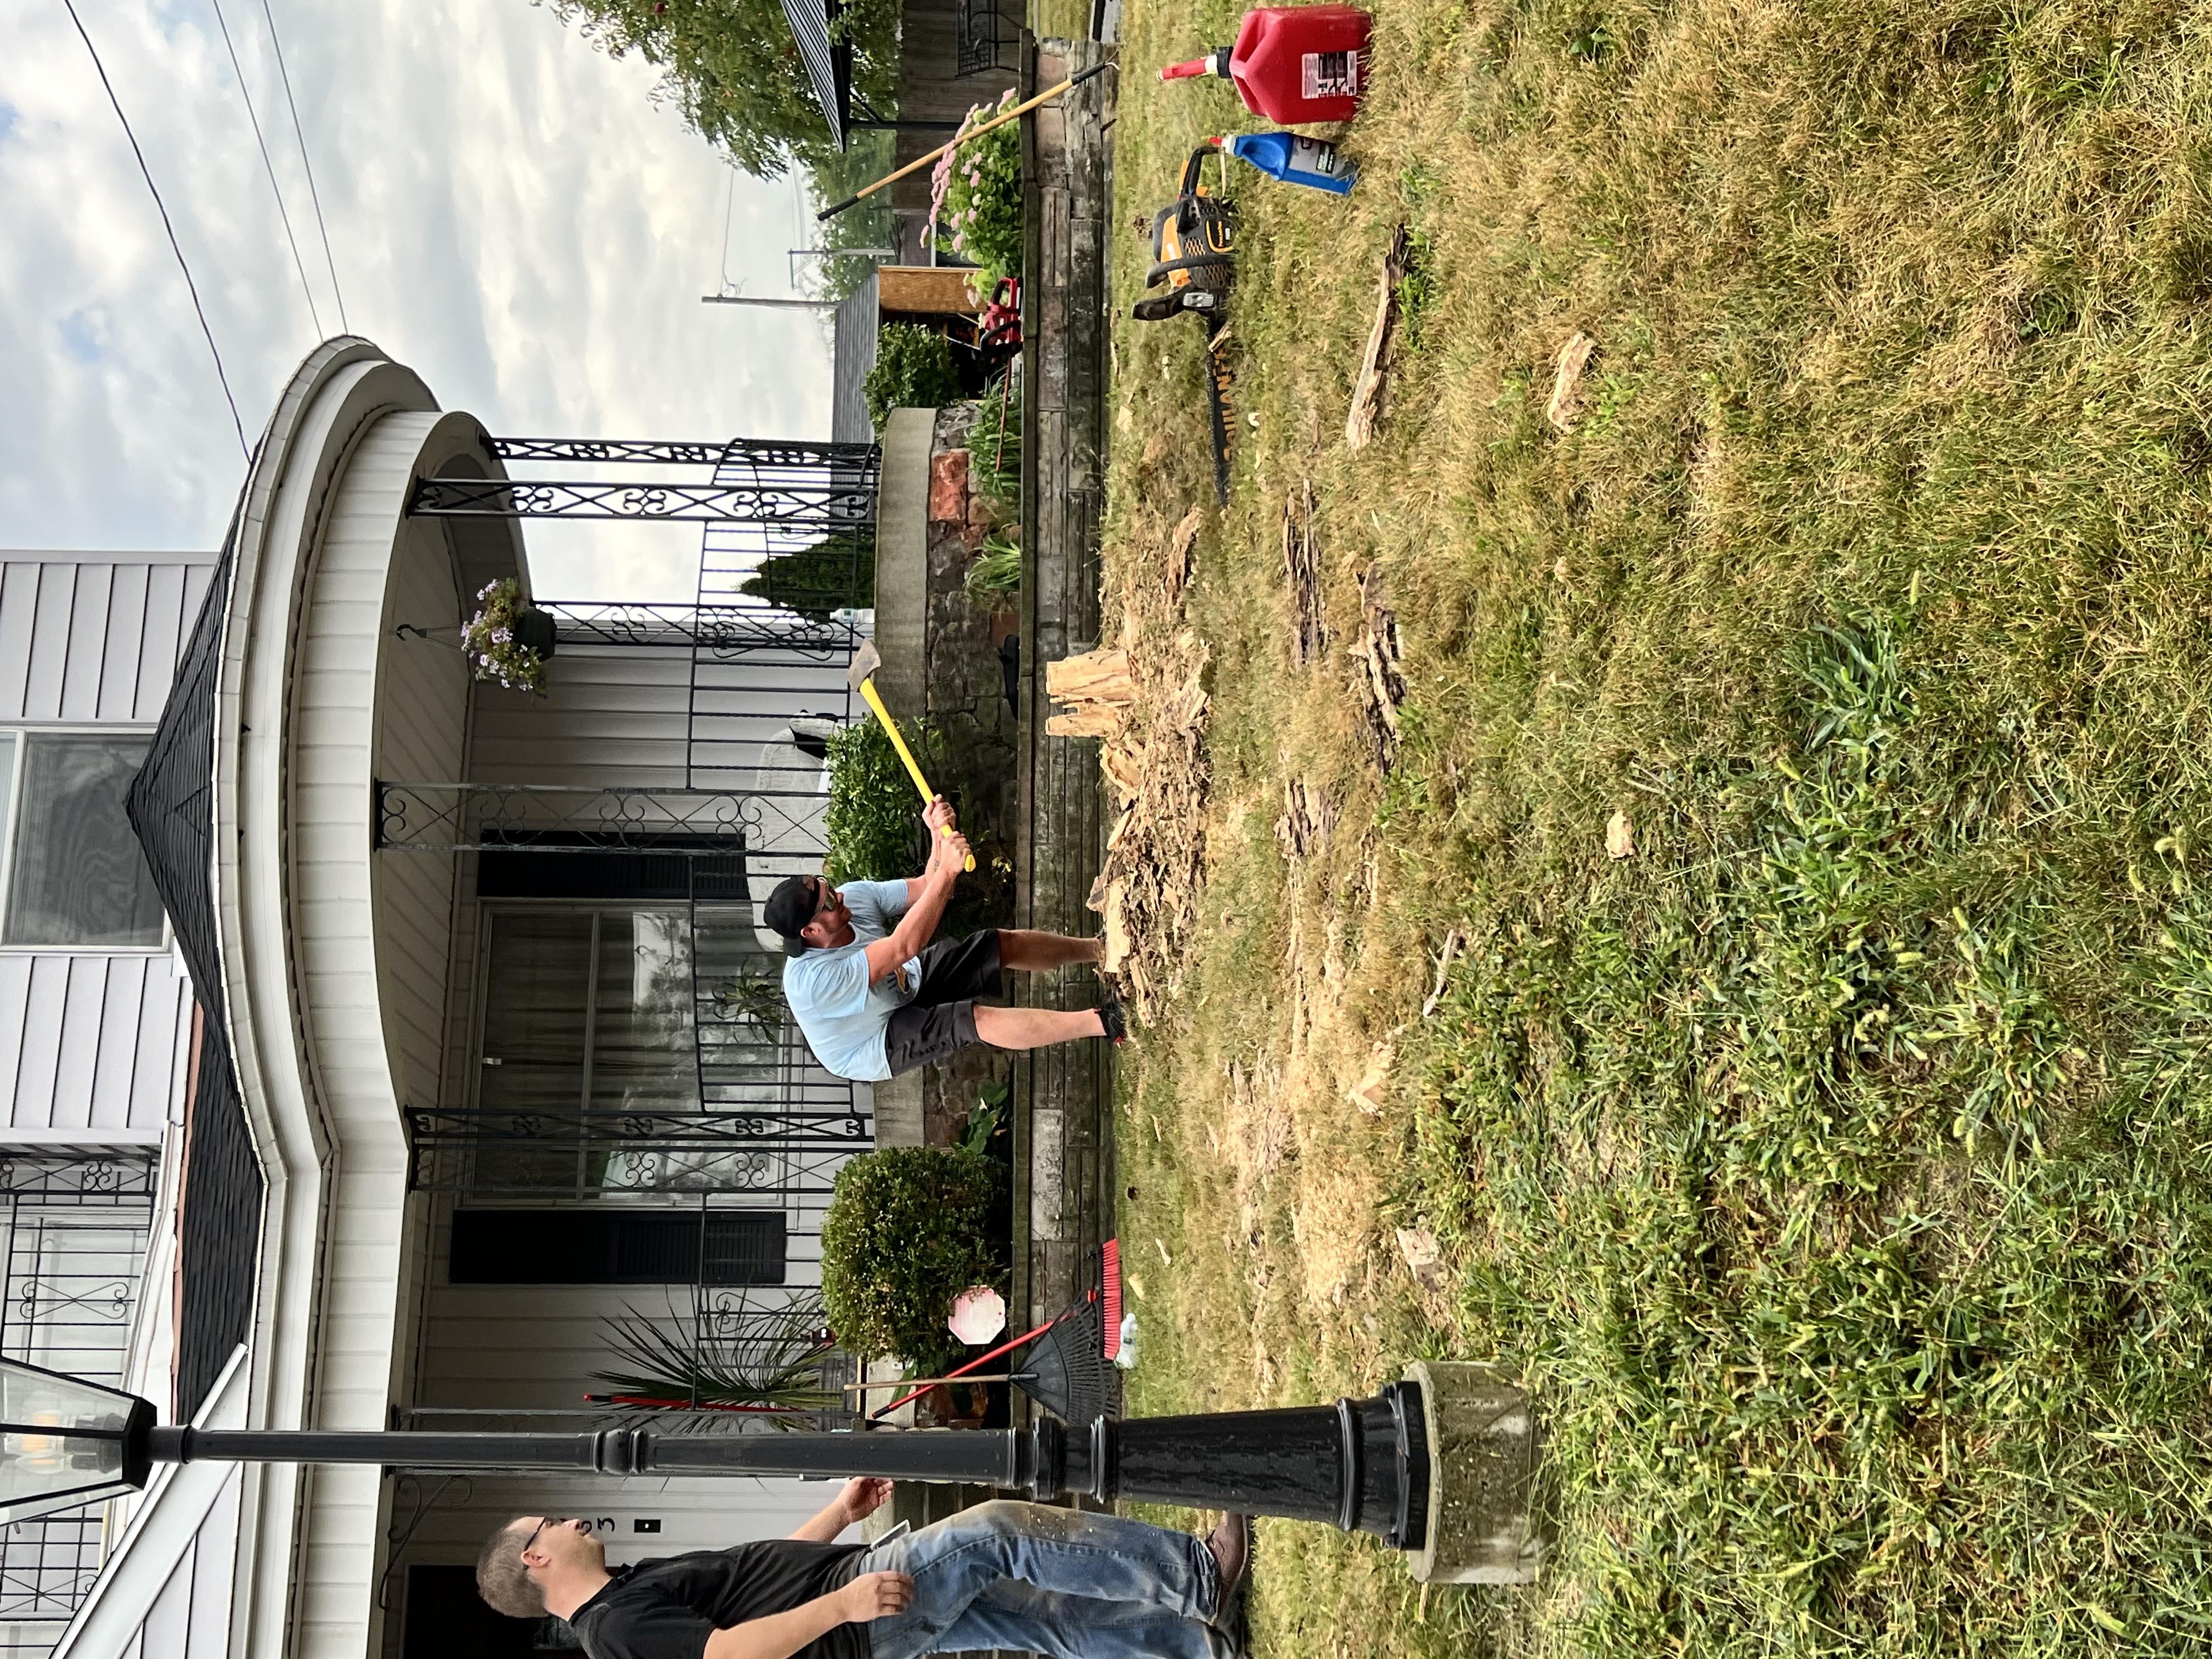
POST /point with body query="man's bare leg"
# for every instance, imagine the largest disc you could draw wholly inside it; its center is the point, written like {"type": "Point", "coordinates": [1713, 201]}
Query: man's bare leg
{"type": "Point", "coordinates": [1037, 953]}
{"type": "Point", "coordinates": [1036, 1028]}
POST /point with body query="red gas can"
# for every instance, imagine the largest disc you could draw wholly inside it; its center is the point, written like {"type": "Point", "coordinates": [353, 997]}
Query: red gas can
{"type": "Point", "coordinates": [1293, 63]}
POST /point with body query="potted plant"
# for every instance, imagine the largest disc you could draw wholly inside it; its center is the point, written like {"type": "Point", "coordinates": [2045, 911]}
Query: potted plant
{"type": "Point", "coordinates": [508, 639]}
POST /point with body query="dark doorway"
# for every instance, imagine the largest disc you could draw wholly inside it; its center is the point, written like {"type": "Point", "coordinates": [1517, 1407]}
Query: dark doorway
{"type": "Point", "coordinates": [618, 1247]}
{"type": "Point", "coordinates": [445, 1617]}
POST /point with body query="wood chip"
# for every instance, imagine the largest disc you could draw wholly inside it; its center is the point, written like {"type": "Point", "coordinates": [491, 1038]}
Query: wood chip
{"type": "Point", "coordinates": [1369, 391]}
{"type": "Point", "coordinates": [1182, 543]}
{"type": "Point", "coordinates": [1443, 973]}
{"type": "Point", "coordinates": [1368, 1093]}
{"type": "Point", "coordinates": [1620, 837]}
{"type": "Point", "coordinates": [1115, 914]}
{"type": "Point", "coordinates": [1093, 676]}
{"type": "Point", "coordinates": [1123, 768]}
{"type": "Point", "coordinates": [1418, 1245]}
{"type": "Point", "coordinates": [1094, 719]}
{"type": "Point", "coordinates": [1375, 654]}
{"type": "Point", "coordinates": [1567, 402]}
{"type": "Point", "coordinates": [1308, 816]}
{"type": "Point", "coordinates": [1302, 570]}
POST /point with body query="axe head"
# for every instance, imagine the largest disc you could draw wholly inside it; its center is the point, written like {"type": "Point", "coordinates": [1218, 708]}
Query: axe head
{"type": "Point", "coordinates": [865, 661]}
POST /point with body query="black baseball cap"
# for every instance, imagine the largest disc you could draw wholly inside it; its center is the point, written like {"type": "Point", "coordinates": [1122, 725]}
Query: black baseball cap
{"type": "Point", "coordinates": [789, 908]}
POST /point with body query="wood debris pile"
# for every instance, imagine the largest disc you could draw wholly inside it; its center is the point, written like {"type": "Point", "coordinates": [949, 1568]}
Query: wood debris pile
{"type": "Point", "coordinates": [1375, 680]}
{"type": "Point", "coordinates": [1146, 699]}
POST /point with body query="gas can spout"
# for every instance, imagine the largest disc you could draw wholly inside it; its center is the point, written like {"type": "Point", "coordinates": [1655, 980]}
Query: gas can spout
{"type": "Point", "coordinates": [1214, 63]}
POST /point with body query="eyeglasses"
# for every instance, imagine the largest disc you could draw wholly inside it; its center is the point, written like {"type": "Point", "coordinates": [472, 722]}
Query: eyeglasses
{"type": "Point", "coordinates": [544, 1522]}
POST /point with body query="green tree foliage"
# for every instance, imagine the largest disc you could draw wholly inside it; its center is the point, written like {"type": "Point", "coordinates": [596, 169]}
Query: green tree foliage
{"type": "Point", "coordinates": [835, 572]}
{"type": "Point", "coordinates": [867, 157]}
{"type": "Point", "coordinates": [733, 69]}
{"type": "Point", "coordinates": [906, 1231]}
{"type": "Point", "coordinates": [913, 370]}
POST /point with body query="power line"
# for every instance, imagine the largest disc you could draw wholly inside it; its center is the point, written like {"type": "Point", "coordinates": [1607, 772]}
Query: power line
{"type": "Point", "coordinates": [191, 287]}
{"type": "Point", "coordinates": [268, 166]}
{"type": "Point", "coordinates": [300, 133]}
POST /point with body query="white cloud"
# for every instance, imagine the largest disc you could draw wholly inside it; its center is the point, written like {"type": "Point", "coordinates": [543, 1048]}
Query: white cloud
{"type": "Point", "coordinates": [509, 213]}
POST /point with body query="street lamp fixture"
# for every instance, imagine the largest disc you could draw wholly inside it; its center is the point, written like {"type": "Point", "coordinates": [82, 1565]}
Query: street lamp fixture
{"type": "Point", "coordinates": [64, 1443]}
{"type": "Point", "coordinates": [1439, 1464]}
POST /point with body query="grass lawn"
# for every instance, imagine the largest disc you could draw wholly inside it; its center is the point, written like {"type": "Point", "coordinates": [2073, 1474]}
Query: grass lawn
{"type": "Point", "coordinates": [1834, 1168]}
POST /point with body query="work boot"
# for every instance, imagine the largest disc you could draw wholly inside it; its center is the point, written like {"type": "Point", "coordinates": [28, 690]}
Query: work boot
{"type": "Point", "coordinates": [1111, 1017]}
{"type": "Point", "coordinates": [1230, 1546]}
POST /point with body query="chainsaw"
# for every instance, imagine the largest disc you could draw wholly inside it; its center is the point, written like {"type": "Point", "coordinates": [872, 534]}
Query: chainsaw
{"type": "Point", "coordinates": [1194, 255]}
{"type": "Point", "coordinates": [1194, 247]}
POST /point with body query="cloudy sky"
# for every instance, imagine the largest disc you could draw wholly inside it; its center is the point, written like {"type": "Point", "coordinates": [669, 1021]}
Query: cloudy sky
{"type": "Point", "coordinates": [508, 212]}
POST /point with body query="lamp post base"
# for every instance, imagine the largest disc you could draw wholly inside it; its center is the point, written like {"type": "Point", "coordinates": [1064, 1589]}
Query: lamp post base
{"type": "Point", "coordinates": [1483, 1442]}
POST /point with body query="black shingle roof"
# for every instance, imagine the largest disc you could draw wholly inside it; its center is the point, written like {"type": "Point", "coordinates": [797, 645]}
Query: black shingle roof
{"type": "Point", "coordinates": [170, 807]}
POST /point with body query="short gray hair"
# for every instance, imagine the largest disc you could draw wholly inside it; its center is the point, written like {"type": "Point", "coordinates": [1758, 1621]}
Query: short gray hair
{"type": "Point", "coordinates": [501, 1579]}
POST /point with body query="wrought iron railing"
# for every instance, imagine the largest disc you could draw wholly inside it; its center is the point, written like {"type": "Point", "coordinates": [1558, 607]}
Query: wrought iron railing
{"type": "Point", "coordinates": [77, 1223]}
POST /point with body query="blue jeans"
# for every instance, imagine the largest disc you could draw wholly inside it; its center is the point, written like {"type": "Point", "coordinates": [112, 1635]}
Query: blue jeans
{"type": "Point", "coordinates": [1035, 1579]}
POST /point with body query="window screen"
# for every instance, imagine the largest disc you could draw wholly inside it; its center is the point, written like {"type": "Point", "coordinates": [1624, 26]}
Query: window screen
{"type": "Point", "coordinates": [618, 1247]}
{"type": "Point", "coordinates": [77, 876]}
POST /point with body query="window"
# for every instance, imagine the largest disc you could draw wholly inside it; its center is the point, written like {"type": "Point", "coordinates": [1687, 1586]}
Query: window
{"type": "Point", "coordinates": [75, 875]}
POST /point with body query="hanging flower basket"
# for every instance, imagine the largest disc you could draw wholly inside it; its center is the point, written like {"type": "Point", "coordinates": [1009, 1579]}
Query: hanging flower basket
{"type": "Point", "coordinates": [508, 639]}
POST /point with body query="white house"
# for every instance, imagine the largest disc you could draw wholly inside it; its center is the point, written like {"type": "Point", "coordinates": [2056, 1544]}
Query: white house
{"type": "Point", "coordinates": [446, 1044]}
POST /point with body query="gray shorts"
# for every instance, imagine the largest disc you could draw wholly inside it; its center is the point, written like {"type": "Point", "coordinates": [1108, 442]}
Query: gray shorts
{"type": "Point", "coordinates": [941, 1021]}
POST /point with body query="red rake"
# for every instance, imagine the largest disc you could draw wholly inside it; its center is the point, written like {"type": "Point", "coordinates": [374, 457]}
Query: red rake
{"type": "Point", "coordinates": [1067, 1373]}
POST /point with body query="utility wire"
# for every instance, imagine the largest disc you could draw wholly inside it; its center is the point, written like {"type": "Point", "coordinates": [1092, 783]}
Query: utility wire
{"type": "Point", "coordinates": [268, 166]}
{"type": "Point", "coordinates": [298, 132]}
{"type": "Point", "coordinates": [191, 287]}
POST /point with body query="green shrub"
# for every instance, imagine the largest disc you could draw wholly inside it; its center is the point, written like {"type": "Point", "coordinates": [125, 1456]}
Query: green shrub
{"type": "Point", "coordinates": [913, 370]}
{"type": "Point", "coordinates": [906, 1232]}
{"type": "Point", "coordinates": [872, 823]}
{"type": "Point", "coordinates": [835, 574]}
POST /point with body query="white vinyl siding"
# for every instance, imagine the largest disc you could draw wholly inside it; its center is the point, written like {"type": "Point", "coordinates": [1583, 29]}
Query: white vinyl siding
{"type": "Point", "coordinates": [91, 1041]}
{"type": "Point", "coordinates": [608, 718]}
{"type": "Point", "coordinates": [93, 638]}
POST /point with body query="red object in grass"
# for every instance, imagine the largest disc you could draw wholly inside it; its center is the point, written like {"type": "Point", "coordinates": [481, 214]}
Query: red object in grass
{"type": "Point", "coordinates": [1293, 63]}
{"type": "Point", "coordinates": [1110, 1255]}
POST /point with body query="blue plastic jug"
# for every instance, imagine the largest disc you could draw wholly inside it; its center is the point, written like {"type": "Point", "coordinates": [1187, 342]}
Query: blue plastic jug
{"type": "Point", "coordinates": [1297, 160]}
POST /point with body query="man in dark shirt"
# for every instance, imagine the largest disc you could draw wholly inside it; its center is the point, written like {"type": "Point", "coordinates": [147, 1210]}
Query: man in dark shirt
{"type": "Point", "coordinates": [1022, 1577]}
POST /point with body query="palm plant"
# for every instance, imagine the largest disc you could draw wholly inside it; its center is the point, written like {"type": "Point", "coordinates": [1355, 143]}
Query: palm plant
{"type": "Point", "coordinates": [774, 1366]}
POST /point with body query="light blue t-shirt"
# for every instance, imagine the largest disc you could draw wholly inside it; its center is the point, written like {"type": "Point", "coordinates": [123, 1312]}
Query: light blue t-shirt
{"type": "Point", "coordinates": [842, 1015]}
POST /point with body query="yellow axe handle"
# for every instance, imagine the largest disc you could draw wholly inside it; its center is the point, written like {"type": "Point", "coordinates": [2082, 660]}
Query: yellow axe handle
{"type": "Point", "coordinates": [913, 767]}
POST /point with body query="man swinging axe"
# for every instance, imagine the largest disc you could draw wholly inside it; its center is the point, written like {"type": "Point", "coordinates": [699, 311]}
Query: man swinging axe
{"type": "Point", "coordinates": [875, 998]}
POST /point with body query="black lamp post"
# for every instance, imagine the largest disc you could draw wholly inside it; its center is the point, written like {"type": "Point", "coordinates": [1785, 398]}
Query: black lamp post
{"type": "Point", "coordinates": [1362, 1465]}
{"type": "Point", "coordinates": [1441, 1465]}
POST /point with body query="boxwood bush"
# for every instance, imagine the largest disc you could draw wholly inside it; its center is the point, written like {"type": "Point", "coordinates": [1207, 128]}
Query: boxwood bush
{"type": "Point", "coordinates": [906, 1231]}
